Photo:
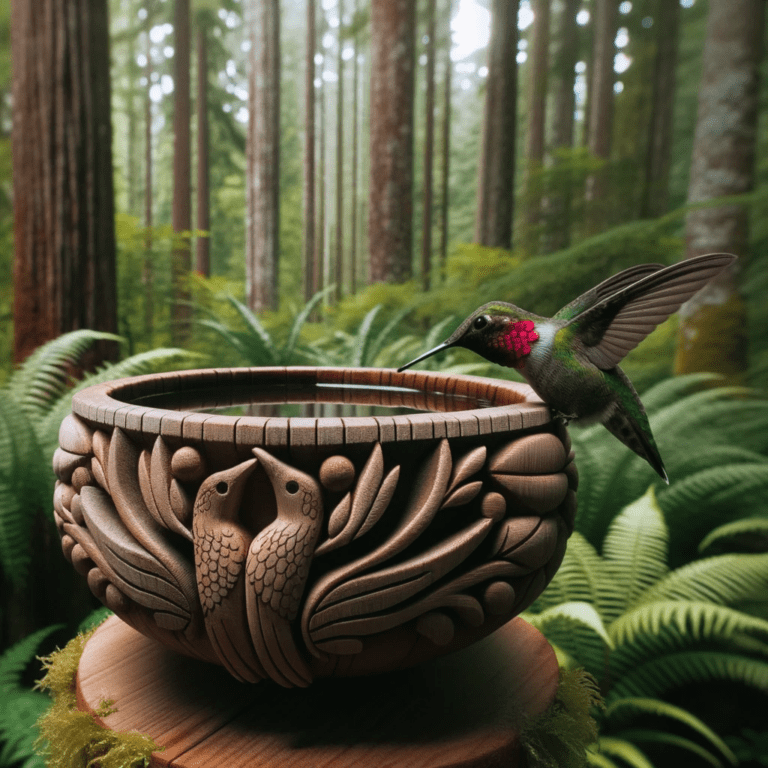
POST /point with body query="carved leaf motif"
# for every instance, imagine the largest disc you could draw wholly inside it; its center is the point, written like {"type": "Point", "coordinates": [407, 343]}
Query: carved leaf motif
{"type": "Point", "coordinates": [385, 588]}
{"type": "Point", "coordinates": [161, 480]}
{"type": "Point", "coordinates": [463, 494]}
{"type": "Point", "coordinates": [429, 490]}
{"type": "Point", "coordinates": [381, 502]}
{"type": "Point", "coordinates": [145, 484]}
{"type": "Point", "coordinates": [181, 505]}
{"type": "Point", "coordinates": [122, 476]}
{"type": "Point", "coordinates": [440, 598]}
{"type": "Point", "coordinates": [470, 463]}
{"type": "Point", "coordinates": [338, 518]}
{"type": "Point", "coordinates": [139, 573]}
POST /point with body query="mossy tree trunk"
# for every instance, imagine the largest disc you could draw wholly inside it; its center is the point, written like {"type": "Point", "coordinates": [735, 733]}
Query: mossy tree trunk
{"type": "Point", "coordinates": [712, 331]}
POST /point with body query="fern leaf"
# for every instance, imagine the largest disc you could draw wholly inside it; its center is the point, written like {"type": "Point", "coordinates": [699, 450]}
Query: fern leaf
{"type": "Point", "coordinates": [625, 709]}
{"type": "Point", "coordinates": [670, 740]}
{"type": "Point", "coordinates": [577, 579]}
{"type": "Point", "coordinates": [15, 659]}
{"type": "Point", "coordinates": [671, 390]}
{"type": "Point", "coordinates": [746, 529]}
{"type": "Point", "coordinates": [383, 337]}
{"type": "Point", "coordinates": [363, 339]}
{"type": "Point", "coordinates": [625, 751]}
{"type": "Point", "coordinates": [18, 715]}
{"type": "Point", "coordinates": [723, 580]}
{"type": "Point", "coordinates": [670, 626]}
{"type": "Point", "coordinates": [577, 629]}
{"type": "Point", "coordinates": [599, 760]}
{"type": "Point", "coordinates": [43, 377]}
{"type": "Point", "coordinates": [635, 550]}
{"type": "Point", "coordinates": [261, 341]}
{"type": "Point", "coordinates": [655, 677]}
{"type": "Point", "coordinates": [289, 349]}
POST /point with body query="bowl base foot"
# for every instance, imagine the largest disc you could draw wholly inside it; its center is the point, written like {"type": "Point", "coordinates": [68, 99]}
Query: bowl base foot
{"type": "Point", "coordinates": [460, 710]}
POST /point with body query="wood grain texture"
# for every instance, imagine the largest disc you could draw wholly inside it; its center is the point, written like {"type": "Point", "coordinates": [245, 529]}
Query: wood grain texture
{"type": "Point", "coordinates": [461, 710]}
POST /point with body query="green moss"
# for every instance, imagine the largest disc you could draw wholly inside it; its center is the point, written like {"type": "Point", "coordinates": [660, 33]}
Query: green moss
{"type": "Point", "coordinates": [70, 738]}
{"type": "Point", "coordinates": [560, 737]}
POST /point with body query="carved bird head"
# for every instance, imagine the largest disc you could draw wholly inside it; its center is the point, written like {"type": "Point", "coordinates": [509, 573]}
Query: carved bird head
{"type": "Point", "coordinates": [296, 493]}
{"type": "Point", "coordinates": [221, 493]}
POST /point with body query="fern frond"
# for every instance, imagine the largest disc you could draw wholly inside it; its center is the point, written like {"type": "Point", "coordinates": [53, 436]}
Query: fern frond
{"type": "Point", "coordinates": [260, 345]}
{"type": "Point", "coordinates": [600, 761]}
{"type": "Point", "coordinates": [577, 579]}
{"type": "Point", "coordinates": [723, 580]}
{"type": "Point", "coordinates": [43, 377]}
{"type": "Point", "coordinates": [624, 710]}
{"type": "Point", "coordinates": [15, 659]}
{"type": "Point", "coordinates": [670, 740]}
{"type": "Point", "coordinates": [655, 677]}
{"type": "Point", "coordinates": [290, 347]}
{"type": "Point", "coordinates": [670, 626]}
{"type": "Point", "coordinates": [382, 338]}
{"type": "Point", "coordinates": [635, 551]}
{"type": "Point", "coordinates": [576, 628]}
{"type": "Point", "coordinates": [625, 751]}
{"type": "Point", "coordinates": [749, 527]}
{"type": "Point", "coordinates": [673, 389]}
{"type": "Point", "coordinates": [364, 339]}
{"type": "Point", "coordinates": [19, 713]}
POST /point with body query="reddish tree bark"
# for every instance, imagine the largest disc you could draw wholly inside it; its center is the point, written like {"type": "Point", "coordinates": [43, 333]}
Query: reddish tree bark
{"type": "Point", "coordinates": [309, 154]}
{"type": "Point", "coordinates": [203, 244]}
{"type": "Point", "coordinates": [148, 271]}
{"type": "Point", "coordinates": [181, 216]}
{"type": "Point", "coordinates": [495, 198]}
{"type": "Point", "coordinates": [339, 259]}
{"type": "Point", "coordinates": [712, 330]}
{"type": "Point", "coordinates": [655, 191]}
{"type": "Point", "coordinates": [263, 157]}
{"type": "Point", "coordinates": [64, 269]}
{"type": "Point", "coordinates": [600, 117]}
{"type": "Point", "coordinates": [429, 149]}
{"type": "Point", "coordinates": [354, 162]}
{"type": "Point", "coordinates": [537, 95]}
{"type": "Point", "coordinates": [390, 225]}
{"type": "Point", "coordinates": [446, 148]}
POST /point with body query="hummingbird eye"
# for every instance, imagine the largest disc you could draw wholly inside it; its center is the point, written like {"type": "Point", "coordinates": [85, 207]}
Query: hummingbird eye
{"type": "Point", "coordinates": [222, 487]}
{"type": "Point", "coordinates": [291, 486]}
{"type": "Point", "coordinates": [480, 322]}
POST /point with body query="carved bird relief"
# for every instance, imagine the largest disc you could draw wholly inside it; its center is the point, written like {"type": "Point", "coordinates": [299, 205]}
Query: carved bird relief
{"type": "Point", "coordinates": [221, 549]}
{"type": "Point", "coordinates": [278, 567]}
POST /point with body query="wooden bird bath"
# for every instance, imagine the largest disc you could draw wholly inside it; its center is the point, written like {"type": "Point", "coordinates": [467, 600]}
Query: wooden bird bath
{"type": "Point", "coordinates": [422, 515]}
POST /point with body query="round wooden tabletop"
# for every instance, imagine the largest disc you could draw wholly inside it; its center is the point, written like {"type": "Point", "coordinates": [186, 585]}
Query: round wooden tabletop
{"type": "Point", "coordinates": [460, 710]}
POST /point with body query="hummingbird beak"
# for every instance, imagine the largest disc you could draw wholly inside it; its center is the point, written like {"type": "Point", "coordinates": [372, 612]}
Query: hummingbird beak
{"type": "Point", "coordinates": [438, 348]}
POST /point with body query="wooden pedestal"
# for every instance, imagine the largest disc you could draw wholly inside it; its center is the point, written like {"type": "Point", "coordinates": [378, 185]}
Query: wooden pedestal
{"type": "Point", "coordinates": [459, 710]}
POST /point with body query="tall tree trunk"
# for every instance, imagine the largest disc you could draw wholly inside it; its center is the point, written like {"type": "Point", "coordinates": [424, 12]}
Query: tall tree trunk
{"type": "Point", "coordinates": [496, 184]}
{"type": "Point", "coordinates": [321, 189]}
{"type": "Point", "coordinates": [655, 190]}
{"type": "Point", "coordinates": [181, 264]}
{"type": "Point", "coordinates": [600, 116]}
{"type": "Point", "coordinates": [64, 269]}
{"type": "Point", "coordinates": [537, 95]}
{"type": "Point", "coordinates": [148, 270]}
{"type": "Point", "coordinates": [203, 244]}
{"type": "Point", "coordinates": [446, 131]}
{"type": "Point", "coordinates": [429, 149]}
{"type": "Point", "coordinates": [354, 161]}
{"type": "Point", "coordinates": [559, 203]}
{"type": "Point", "coordinates": [390, 209]}
{"type": "Point", "coordinates": [339, 260]}
{"type": "Point", "coordinates": [712, 330]}
{"type": "Point", "coordinates": [263, 157]}
{"type": "Point", "coordinates": [131, 162]}
{"type": "Point", "coordinates": [309, 154]}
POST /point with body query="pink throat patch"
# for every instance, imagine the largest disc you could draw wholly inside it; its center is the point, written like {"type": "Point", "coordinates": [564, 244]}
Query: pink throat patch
{"type": "Point", "coordinates": [519, 336]}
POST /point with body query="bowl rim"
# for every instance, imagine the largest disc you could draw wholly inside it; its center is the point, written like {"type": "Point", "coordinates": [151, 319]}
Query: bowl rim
{"type": "Point", "coordinates": [515, 406]}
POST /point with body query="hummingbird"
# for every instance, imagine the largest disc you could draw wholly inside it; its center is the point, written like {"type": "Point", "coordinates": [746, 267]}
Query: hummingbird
{"type": "Point", "coordinates": [277, 569]}
{"type": "Point", "coordinates": [221, 548]}
{"type": "Point", "coordinates": [572, 360]}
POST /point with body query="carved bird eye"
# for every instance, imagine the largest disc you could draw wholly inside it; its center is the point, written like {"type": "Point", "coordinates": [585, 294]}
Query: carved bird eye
{"type": "Point", "coordinates": [222, 487]}
{"type": "Point", "coordinates": [291, 486]}
{"type": "Point", "coordinates": [480, 322]}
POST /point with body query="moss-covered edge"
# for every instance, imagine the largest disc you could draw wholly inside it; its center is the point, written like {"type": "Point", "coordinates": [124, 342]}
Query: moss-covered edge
{"type": "Point", "coordinates": [560, 737]}
{"type": "Point", "coordinates": [70, 738]}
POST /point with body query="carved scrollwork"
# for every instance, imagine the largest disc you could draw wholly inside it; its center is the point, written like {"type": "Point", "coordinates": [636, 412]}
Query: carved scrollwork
{"type": "Point", "coordinates": [285, 572]}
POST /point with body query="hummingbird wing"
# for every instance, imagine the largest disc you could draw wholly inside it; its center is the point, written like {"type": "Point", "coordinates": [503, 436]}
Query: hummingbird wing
{"type": "Point", "coordinates": [618, 323]}
{"type": "Point", "coordinates": [607, 288]}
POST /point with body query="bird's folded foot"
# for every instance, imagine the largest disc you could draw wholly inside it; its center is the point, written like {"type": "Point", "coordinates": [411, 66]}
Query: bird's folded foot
{"type": "Point", "coordinates": [563, 418]}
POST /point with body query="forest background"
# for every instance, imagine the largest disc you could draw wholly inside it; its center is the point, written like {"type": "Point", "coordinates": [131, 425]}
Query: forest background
{"type": "Point", "coordinates": [254, 182]}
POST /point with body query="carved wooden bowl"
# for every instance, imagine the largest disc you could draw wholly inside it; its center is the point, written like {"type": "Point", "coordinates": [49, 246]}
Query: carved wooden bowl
{"type": "Point", "coordinates": [425, 512]}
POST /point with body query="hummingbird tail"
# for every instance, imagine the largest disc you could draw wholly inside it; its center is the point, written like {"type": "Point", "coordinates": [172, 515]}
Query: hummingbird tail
{"type": "Point", "coordinates": [641, 441]}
